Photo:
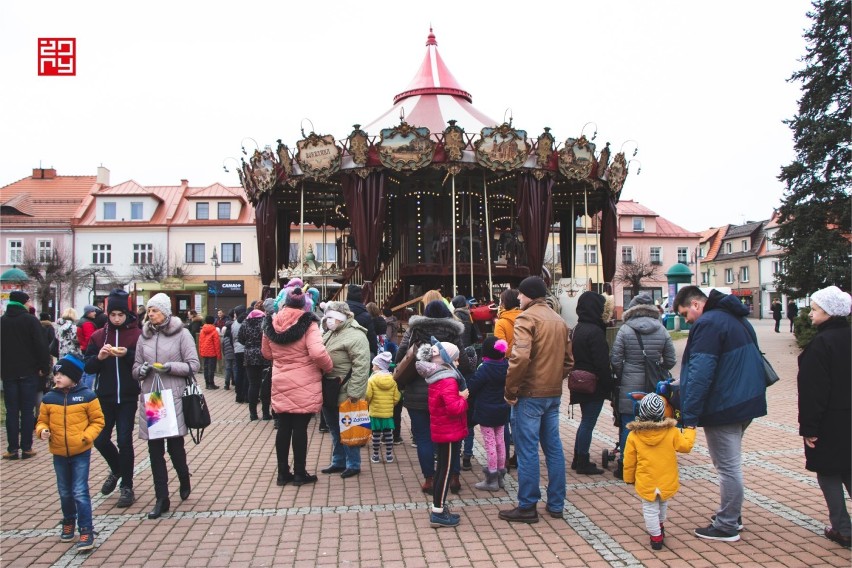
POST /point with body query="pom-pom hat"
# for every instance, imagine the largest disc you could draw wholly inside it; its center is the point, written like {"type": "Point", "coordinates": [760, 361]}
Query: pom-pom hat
{"type": "Point", "coordinates": [494, 348]}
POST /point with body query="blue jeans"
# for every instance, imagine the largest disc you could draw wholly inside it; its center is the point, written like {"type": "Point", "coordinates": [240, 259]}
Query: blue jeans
{"type": "Point", "coordinates": [724, 443]}
{"type": "Point", "coordinates": [231, 372]}
{"type": "Point", "coordinates": [88, 380]}
{"type": "Point", "coordinates": [591, 411]}
{"type": "Point", "coordinates": [20, 397]}
{"type": "Point", "coordinates": [536, 421]}
{"type": "Point", "coordinates": [467, 448]}
{"type": "Point", "coordinates": [421, 431]}
{"type": "Point", "coordinates": [119, 459]}
{"type": "Point", "coordinates": [72, 480]}
{"type": "Point", "coordinates": [341, 454]}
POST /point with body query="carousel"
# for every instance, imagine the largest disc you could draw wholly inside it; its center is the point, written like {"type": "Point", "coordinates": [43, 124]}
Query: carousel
{"type": "Point", "coordinates": [432, 194]}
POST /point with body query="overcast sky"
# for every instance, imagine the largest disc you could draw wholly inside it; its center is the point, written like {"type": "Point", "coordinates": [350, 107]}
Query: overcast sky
{"type": "Point", "coordinates": [168, 90]}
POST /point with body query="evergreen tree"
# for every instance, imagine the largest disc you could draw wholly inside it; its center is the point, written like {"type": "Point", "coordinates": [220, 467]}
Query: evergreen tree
{"type": "Point", "coordinates": [815, 215]}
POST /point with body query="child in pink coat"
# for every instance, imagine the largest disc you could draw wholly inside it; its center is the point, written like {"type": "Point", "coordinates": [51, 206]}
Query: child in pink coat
{"type": "Point", "coordinates": [448, 422]}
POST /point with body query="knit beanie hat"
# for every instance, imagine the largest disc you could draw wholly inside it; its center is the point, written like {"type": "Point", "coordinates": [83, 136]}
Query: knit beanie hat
{"type": "Point", "coordinates": [160, 301]}
{"type": "Point", "coordinates": [269, 304]}
{"type": "Point", "coordinates": [89, 309]}
{"type": "Point", "coordinates": [354, 293]}
{"type": "Point", "coordinates": [383, 360]}
{"type": "Point", "coordinates": [833, 300]}
{"type": "Point", "coordinates": [437, 309]}
{"type": "Point", "coordinates": [118, 300]}
{"type": "Point", "coordinates": [494, 348]}
{"type": "Point", "coordinates": [19, 296]}
{"type": "Point", "coordinates": [533, 287]}
{"type": "Point", "coordinates": [314, 295]}
{"type": "Point", "coordinates": [295, 299]}
{"type": "Point", "coordinates": [642, 299]}
{"type": "Point", "coordinates": [450, 348]}
{"type": "Point", "coordinates": [209, 320]}
{"type": "Point", "coordinates": [652, 408]}
{"type": "Point", "coordinates": [71, 367]}
{"type": "Point", "coordinates": [459, 301]}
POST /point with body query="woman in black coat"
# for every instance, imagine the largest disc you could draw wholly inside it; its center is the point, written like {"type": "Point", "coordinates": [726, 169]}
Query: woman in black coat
{"type": "Point", "coordinates": [825, 405]}
{"type": "Point", "coordinates": [591, 353]}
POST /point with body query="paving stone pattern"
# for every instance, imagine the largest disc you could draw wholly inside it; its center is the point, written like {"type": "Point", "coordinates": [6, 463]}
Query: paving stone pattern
{"type": "Point", "coordinates": [237, 516]}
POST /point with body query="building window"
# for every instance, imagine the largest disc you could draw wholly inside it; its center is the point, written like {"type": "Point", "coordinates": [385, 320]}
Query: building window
{"type": "Point", "coordinates": [202, 211]}
{"type": "Point", "coordinates": [143, 253]}
{"type": "Point", "coordinates": [776, 267]}
{"type": "Point", "coordinates": [729, 276]}
{"type": "Point", "coordinates": [701, 252]}
{"type": "Point", "coordinates": [135, 210]}
{"type": "Point", "coordinates": [224, 211]}
{"type": "Point", "coordinates": [683, 255]}
{"type": "Point", "coordinates": [294, 253]}
{"type": "Point", "coordinates": [44, 249]}
{"type": "Point", "coordinates": [590, 254]}
{"type": "Point", "coordinates": [626, 255]}
{"type": "Point", "coordinates": [638, 224]}
{"type": "Point", "coordinates": [109, 211]}
{"type": "Point", "coordinates": [231, 252]}
{"type": "Point", "coordinates": [744, 274]}
{"type": "Point", "coordinates": [327, 254]}
{"type": "Point", "coordinates": [705, 278]}
{"type": "Point", "coordinates": [744, 244]}
{"type": "Point", "coordinates": [15, 252]}
{"type": "Point", "coordinates": [195, 253]}
{"type": "Point", "coordinates": [656, 255]}
{"type": "Point", "coordinates": [101, 254]}
{"type": "Point", "coordinates": [729, 248]}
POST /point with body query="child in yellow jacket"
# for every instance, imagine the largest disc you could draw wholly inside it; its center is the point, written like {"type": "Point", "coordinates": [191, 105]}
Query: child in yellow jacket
{"type": "Point", "coordinates": [70, 418]}
{"type": "Point", "coordinates": [382, 395]}
{"type": "Point", "coordinates": [650, 461]}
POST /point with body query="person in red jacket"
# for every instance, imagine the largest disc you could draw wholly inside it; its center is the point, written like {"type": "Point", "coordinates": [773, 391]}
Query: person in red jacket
{"type": "Point", "coordinates": [209, 349]}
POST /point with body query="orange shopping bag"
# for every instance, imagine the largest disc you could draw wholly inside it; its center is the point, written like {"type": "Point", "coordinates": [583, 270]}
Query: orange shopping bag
{"type": "Point", "coordinates": [354, 423]}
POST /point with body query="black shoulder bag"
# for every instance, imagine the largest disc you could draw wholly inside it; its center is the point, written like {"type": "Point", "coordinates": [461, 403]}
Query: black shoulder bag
{"type": "Point", "coordinates": [654, 372]}
{"type": "Point", "coordinates": [196, 414]}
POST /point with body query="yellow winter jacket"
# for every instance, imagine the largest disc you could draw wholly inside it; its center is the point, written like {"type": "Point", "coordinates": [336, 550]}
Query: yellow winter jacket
{"type": "Point", "coordinates": [382, 394]}
{"type": "Point", "coordinates": [74, 419]}
{"type": "Point", "coordinates": [504, 327]}
{"type": "Point", "coordinates": [649, 457]}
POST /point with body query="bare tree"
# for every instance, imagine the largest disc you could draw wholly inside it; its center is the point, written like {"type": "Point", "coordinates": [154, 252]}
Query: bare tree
{"type": "Point", "coordinates": [54, 269]}
{"type": "Point", "coordinates": [160, 268]}
{"type": "Point", "coordinates": [632, 273]}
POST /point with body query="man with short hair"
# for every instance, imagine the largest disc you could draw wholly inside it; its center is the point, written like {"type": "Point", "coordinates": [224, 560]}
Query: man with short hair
{"type": "Point", "coordinates": [24, 361]}
{"type": "Point", "coordinates": [722, 389]}
{"type": "Point", "coordinates": [534, 390]}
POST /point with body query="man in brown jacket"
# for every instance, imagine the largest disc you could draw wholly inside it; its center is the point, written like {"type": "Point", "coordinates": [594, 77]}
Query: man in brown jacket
{"type": "Point", "coordinates": [534, 389]}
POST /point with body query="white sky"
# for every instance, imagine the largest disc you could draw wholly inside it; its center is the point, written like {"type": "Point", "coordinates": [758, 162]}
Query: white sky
{"type": "Point", "coordinates": [168, 90]}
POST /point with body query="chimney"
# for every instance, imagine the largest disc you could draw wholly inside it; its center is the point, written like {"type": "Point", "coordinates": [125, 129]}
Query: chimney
{"type": "Point", "coordinates": [103, 175]}
{"type": "Point", "coordinates": [41, 173]}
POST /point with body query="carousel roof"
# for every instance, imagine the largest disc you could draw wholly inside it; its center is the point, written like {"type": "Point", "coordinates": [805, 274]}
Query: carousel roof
{"type": "Point", "coordinates": [432, 98]}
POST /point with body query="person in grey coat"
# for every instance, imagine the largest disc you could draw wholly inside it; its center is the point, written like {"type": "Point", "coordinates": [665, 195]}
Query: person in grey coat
{"type": "Point", "coordinates": [642, 317]}
{"type": "Point", "coordinates": [169, 345]}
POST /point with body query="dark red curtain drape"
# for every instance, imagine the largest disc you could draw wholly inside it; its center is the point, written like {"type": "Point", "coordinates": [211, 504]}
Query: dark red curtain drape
{"type": "Point", "coordinates": [534, 208]}
{"type": "Point", "coordinates": [265, 219]}
{"type": "Point", "coordinates": [609, 237]}
{"type": "Point", "coordinates": [366, 202]}
{"type": "Point", "coordinates": [285, 220]}
{"type": "Point", "coordinates": [567, 228]}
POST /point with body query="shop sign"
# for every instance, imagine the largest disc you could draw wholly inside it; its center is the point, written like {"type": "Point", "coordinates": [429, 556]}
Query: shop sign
{"type": "Point", "coordinates": [225, 287]}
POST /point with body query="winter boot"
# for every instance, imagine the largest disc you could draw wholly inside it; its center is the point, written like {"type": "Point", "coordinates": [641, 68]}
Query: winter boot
{"type": "Point", "coordinates": [619, 470]}
{"type": "Point", "coordinates": [490, 481]}
{"type": "Point", "coordinates": [574, 461]}
{"type": "Point", "coordinates": [185, 486]}
{"type": "Point", "coordinates": [586, 467]}
{"type": "Point", "coordinates": [501, 473]}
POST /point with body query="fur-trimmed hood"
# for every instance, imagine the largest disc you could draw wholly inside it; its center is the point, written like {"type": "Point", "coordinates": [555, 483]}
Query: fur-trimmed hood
{"type": "Point", "coordinates": [288, 326]}
{"type": "Point", "coordinates": [422, 325]}
{"type": "Point", "coordinates": [647, 425]}
{"type": "Point", "coordinates": [172, 327]}
{"type": "Point", "coordinates": [641, 310]}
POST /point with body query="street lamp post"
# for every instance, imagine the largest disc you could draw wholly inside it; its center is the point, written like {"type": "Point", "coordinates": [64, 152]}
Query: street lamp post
{"type": "Point", "coordinates": [215, 261]}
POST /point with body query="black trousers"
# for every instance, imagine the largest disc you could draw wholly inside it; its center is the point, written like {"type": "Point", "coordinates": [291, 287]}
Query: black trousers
{"type": "Point", "coordinates": [120, 459]}
{"type": "Point", "coordinates": [292, 430]}
{"type": "Point", "coordinates": [253, 372]}
{"type": "Point", "coordinates": [157, 453]}
{"type": "Point", "coordinates": [445, 452]}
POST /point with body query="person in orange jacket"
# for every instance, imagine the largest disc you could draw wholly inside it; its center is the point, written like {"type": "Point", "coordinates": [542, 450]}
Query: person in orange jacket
{"type": "Point", "coordinates": [209, 349]}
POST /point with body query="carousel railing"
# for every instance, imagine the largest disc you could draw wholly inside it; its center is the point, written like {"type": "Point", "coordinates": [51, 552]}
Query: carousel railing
{"type": "Point", "coordinates": [387, 282]}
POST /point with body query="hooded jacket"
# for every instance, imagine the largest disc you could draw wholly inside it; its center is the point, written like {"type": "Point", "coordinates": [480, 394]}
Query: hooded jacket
{"type": "Point", "coordinates": [115, 382]}
{"type": "Point", "coordinates": [487, 387]}
{"type": "Point", "coordinates": [349, 350]}
{"type": "Point", "coordinates": [292, 341]}
{"type": "Point", "coordinates": [825, 398]}
{"type": "Point", "coordinates": [365, 320]}
{"type": "Point", "coordinates": [721, 376]}
{"type": "Point", "coordinates": [420, 330]}
{"type": "Point", "coordinates": [74, 419]}
{"type": "Point", "coordinates": [382, 394]}
{"type": "Point", "coordinates": [541, 355]}
{"type": "Point", "coordinates": [470, 335]}
{"type": "Point", "coordinates": [85, 328]}
{"type": "Point", "coordinates": [504, 327]}
{"type": "Point", "coordinates": [251, 338]}
{"type": "Point", "coordinates": [209, 342]}
{"type": "Point", "coordinates": [591, 351]}
{"type": "Point", "coordinates": [447, 408]}
{"type": "Point", "coordinates": [23, 351]}
{"type": "Point", "coordinates": [650, 459]}
{"type": "Point", "coordinates": [227, 342]}
{"type": "Point", "coordinates": [168, 343]}
{"type": "Point", "coordinates": [626, 357]}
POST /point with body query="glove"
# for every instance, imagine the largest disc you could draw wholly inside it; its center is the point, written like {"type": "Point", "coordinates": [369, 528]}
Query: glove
{"type": "Point", "coordinates": [144, 369]}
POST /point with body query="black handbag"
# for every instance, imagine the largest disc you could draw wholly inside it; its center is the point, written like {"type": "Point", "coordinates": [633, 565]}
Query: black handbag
{"type": "Point", "coordinates": [770, 376]}
{"type": "Point", "coordinates": [331, 390]}
{"type": "Point", "coordinates": [196, 413]}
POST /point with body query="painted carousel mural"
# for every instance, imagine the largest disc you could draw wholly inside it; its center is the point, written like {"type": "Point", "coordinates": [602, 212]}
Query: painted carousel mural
{"type": "Point", "coordinates": [432, 194]}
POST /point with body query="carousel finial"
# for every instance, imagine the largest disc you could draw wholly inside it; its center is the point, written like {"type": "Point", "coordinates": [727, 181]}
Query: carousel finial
{"type": "Point", "coordinates": [430, 40]}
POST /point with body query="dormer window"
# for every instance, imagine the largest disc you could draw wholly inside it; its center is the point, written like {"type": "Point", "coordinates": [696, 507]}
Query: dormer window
{"type": "Point", "coordinates": [638, 224]}
{"type": "Point", "coordinates": [744, 243]}
{"type": "Point", "coordinates": [136, 209]}
{"type": "Point", "coordinates": [202, 211]}
{"type": "Point", "coordinates": [728, 248]}
{"type": "Point", "coordinates": [109, 211]}
{"type": "Point", "coordinates": [224, 211]}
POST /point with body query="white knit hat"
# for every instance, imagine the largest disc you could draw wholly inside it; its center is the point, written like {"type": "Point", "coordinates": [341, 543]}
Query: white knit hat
{"type": "Point", "coordinates": [162, 302]}
{"type": "Point", "coordinates": [833, 300]}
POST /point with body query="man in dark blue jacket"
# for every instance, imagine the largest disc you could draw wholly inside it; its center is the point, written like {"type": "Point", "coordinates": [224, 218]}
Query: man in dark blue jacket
{"type": "Point", "coordinates": [722, 389]}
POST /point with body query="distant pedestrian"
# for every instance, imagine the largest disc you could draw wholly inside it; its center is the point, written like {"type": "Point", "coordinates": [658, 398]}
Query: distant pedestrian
{"type": "Point", "coordinates": [777, 310]}
{"type": "Point", "coordinates": [650, 461]}
{"type": "Point", "coordinates": [210, 350]}
{"type": "Point", "coordinates": [792, 313]}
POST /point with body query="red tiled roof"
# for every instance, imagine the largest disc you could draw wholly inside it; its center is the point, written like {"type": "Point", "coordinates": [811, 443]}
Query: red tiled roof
{"type": "Point", "coordinates": [715, 237]}
{"type": "Point", "coordinates": [217, 190]}
{"type": "Point", "coordinates": [45, 202]}
{"type": "Point", "coordinates": [628, 207]}
{"type": "Point", "coordinates": [169, 198]}
{"type": "Point", "coordinates": [666, 228]}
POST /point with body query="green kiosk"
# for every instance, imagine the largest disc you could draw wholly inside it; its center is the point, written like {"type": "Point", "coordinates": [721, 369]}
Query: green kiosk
{"type": "Point", "coordinates": [677, 277]}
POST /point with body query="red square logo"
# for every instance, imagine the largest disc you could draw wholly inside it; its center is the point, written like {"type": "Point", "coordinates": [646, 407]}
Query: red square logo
{"type": "Point", "coordinates": [57, 56]}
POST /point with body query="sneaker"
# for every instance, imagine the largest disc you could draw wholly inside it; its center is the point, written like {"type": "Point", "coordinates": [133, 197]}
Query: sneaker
{"type": "Point", "coordinates": [466, 463]}
{"type": "Point", "coordinates": [67, 534]}
{"type": "Point", "coordinates": [413, 444]}
{"type": "Point", "coordinates": [397, 441]}
{"type": "Point", "coordinates": [126, 498]}
{"type": "Point", "coordinates": [740, 525]}
{"type": "Point", "coordinates": [657, 542]}
{"type": "Point", "coordinates": [323, 429]}
{"type": "Point", "coordinates": [10, 455]}
{"type": "Point", "coordinates": [442, 520]}
{"type": "Point", "coordinates": [712, 533]}
{"type": "Point", "coordinates": [375, 458]}
{"type": "Point", "coordinates": [27, 454]}
{"type": "Point", "coordinates": [109, 484]}
{"type": "Point", "coordinates": [86, 542]}
{"type": "Point", "coordinates": [389, 458]}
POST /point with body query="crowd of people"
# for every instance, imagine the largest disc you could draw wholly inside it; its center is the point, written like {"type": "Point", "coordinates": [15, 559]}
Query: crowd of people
{"type": "Point", "coordinates": [302, 359]}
